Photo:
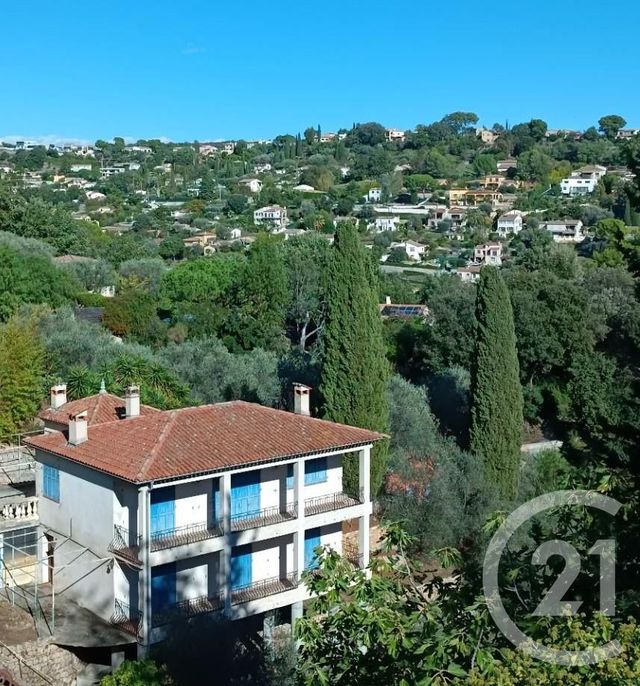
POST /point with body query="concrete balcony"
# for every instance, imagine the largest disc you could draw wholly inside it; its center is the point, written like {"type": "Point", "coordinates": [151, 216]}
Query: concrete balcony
{"type": "Point", "coordinates": [184, 535]}
{"type": "Point", "coordinates": [329, 503]}
{"type": "Point", "coordinates": [125, 546]}
{"type": "Point", "coordinates": [187, 608]}
{"type": "Point", "coordinates": [265, 517]}
{"type": "Point", "coordinates": [127, 618]}
{"type": "Point", "coordinates": [17, 510]}
{"type": "Point", "coordinates": [263, 588]}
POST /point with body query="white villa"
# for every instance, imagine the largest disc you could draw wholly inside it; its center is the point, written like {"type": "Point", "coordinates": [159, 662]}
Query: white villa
{"type": "Point", "coordinates": [510, 224]}
{"type": "Point", "coordinates": [212, 509]}
{"type": "Point", "coordinates": [414, 250]}
{"type": "Point", "coordinates": [274, 216]}
{"type": "Point", "coordinates": [582, 181]}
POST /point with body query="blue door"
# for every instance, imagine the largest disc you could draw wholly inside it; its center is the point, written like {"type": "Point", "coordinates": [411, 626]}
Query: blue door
{"type": "Point", "coordinates": [217, 503]}
{"type": "Point", "coordinates": [245, 494]}
{"type": "Point", "coordinates": [163, 509]}
{"type": "Point", "coordinates": [163, 586]}
{"type": "Point", "coordinates": [311, 542]}
{"type": "Point", "coordinates": [241, 567]}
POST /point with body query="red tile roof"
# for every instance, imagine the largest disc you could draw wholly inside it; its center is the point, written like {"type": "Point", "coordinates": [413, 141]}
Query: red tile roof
{"type": "Point", "coordinates": [101, 408]}
{"type": "Point", "coordinates": [178, 443]}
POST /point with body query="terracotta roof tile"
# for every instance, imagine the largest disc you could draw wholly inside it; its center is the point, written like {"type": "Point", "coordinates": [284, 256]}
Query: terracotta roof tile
{"type": "Point", "coordinates": [101, 408]}
{"type": "Point", "coordinates": [177, 443]}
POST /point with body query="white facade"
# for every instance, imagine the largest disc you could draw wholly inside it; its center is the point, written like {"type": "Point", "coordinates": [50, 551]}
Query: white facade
{"type": "Point", "coordinates": [395, 135]}
{"type": "Point", "coordinates": [382, 224]}
{"type": "Point", "coordinates": [583, 180]}
{"type": "Point", "coordinates": [374, 195]}
{"type": "Point", "coordinates": [275, 216]}
{"type": "Point", "coordinates": [414, 250]}
{"type": "Point", "coordinates": [510, 224]}
{"type": "Point", "coordinates": [488, 254]}
{"type": "Point", "coordinates": [254, 185]}
{"type": "Point", "coordinates": [151, 551]}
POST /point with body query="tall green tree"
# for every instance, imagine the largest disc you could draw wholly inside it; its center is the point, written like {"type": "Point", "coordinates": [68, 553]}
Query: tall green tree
{"type": "Point", "coordinates": [355, 371]}
{"type": "Point", "coordinates": [21, 375]}
{"type": "Point", "coordinates": [262, 297]}
{"type": "Point", "coordinates": [497, 405]}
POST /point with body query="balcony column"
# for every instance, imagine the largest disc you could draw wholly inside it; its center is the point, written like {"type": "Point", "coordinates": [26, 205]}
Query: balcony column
{"type": "Point", "coordinates": [144, 577]}
{"type": "Point", "coordinates": [364, 468]}
{"type": "Point", "coordinates": [298, 536]}
{"type": "Point", "coordinates": [225, 554]}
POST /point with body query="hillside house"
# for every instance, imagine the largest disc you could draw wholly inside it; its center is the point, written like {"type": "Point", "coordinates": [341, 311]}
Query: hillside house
{"type": "Point", "coordinates": [510, 224]}
{"type": "Point", "coordinates": [211, 509]}
{"type": "Point", "coordinates": [415, 251]}
{"type": "Point", "coordinates": [488, 254]}
{"type": "Point", "coordinates": [273, 216]}
{"type": "Point", "coordinates": [566, 230]}
{"type": "Point", "coordinates": [582, 181]}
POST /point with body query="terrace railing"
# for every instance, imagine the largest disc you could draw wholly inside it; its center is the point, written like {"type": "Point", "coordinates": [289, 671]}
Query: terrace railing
{"type": "Point", "coordinates": [264, 517]}
{"type": "Point", "coordinates": [263, 588]}
{"type": "Point", "coordinates": [328, 503]}
{"type": "Point", "coordinates": [187, 608]}
{"type": "Point", "coordinates": [127, 618]}
{"type": "Point", "coordinates": [125, 545]}
{"type": "Point", "coordinates": [183, 535]}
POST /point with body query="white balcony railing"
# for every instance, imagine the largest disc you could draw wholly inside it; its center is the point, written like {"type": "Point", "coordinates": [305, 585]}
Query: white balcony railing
{"type": "Point", "coordinates": [19, 510]}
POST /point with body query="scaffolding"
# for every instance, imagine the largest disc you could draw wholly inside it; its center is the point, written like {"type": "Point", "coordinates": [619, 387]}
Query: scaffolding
{"type": "Point", "coordinates": [17, 462]}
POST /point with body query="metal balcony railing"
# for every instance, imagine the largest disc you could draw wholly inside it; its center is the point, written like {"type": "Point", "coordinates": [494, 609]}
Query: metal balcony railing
{"type": "Point", "coordinates": [125, 545]}
{"type": "Point", "coordinates": [183, 535]}
{"type": "Point", "coordinates": [265, 517]}
{"type": "Point", "coordinates": [263, 588]}
{"type": "Point", "coordinates": [187, 608]}
{"type": "Point", "coordinates": [327, 503]}
{"type": "Point", "coordinates": [127, 618]}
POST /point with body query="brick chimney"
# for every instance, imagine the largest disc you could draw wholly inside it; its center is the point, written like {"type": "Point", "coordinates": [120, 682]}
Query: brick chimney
{"type": "Point", "coordinates": [78, 430]}
{"type": "Point", "coordinates": [58, 395]}
{"type": "Point", "coordinates": [301, 399]}
{"type": "Point", "coordinates": [132, 401]}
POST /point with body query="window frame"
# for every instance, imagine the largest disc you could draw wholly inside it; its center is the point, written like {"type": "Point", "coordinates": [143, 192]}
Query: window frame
{"type": "Point", "coordinates": [51, 478]}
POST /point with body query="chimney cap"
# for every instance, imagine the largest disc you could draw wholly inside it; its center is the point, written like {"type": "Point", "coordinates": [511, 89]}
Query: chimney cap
{"type": "Point", "coordinates": [301, 388]}
{"type": "Point", "coordinates": [133, 389]}
{"type": "Point", "coordinates": [79, 416]}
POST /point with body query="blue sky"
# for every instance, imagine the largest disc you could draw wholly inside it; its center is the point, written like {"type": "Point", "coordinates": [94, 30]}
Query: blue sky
{"type": "Point", "coordinates": [208, 69]}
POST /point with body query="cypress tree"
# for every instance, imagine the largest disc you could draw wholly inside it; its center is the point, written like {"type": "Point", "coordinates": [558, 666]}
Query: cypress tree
{"type": "Point", "coordinates": [628, 216]}
{"type": "Point", "coordinates": [355, 370]}
{"type": "Point", "coordinates": [496, 393]}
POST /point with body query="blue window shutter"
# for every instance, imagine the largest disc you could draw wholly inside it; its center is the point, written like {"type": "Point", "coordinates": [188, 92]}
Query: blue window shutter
{"type": "Point", "coordinates": [315, 471]}
{"type": "Point", "coordinates": [163, 586]}
{"type": "Point", "coordinates": [312, 540]}
{"type": "Point", "coordinates": [289, 476]}
{"type": "Point", "coordinates": [163, 509]}
{"type": "Point", "coordinates": [241, 567]}
{"type": "Point", "coordinates": [51, 482]}
{"type": "Point", "coordinates": [245, 494]}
